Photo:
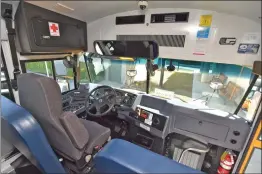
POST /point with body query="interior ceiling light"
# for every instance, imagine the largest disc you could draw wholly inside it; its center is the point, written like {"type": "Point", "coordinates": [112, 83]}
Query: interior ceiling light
{"type": "Point", "coordinates": [64, 6]}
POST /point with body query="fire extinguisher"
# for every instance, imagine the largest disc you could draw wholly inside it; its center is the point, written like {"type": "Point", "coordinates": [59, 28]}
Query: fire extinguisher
{"type": "Point", "coordinates": [227, 161]}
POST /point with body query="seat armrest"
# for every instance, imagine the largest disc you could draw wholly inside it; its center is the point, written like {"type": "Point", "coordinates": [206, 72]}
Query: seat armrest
{"type": "Point", "coordinates": [75, 129]}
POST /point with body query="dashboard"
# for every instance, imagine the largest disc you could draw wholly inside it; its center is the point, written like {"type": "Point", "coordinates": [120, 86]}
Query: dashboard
{"type": "Point", "coordinates": [74, 101]}
{"type": "Point", "coordinates": [160, 118]}
{"type": "Point", "coordinates": [125, 98]}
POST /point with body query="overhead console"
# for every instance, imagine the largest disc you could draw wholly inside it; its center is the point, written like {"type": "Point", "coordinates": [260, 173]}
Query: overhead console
{"type": "Point", "coordinates": [39, 30]}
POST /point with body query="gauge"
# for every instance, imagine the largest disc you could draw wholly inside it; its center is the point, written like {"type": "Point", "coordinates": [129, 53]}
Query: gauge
{"type": "Point", "coordinates": [126, 99]}
{"type": "Point", "coordinates": [119, 97]}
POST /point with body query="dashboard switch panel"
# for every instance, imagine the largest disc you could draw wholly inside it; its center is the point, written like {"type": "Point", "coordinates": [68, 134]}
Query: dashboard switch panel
{"type": "Point", "coordinates": [152, 119]}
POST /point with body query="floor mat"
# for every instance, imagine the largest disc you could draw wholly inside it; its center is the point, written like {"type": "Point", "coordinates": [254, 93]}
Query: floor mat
{"type": "Point", "coordinates": [28, 170]}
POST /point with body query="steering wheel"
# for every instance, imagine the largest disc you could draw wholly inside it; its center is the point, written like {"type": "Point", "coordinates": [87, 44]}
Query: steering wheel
{"type": "Point", "coordinates": [101, 103]}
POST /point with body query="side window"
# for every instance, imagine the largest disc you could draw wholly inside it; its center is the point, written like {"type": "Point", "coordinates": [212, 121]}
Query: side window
{"type": "Point", "coordinates": [43, 68]}
{"type": "Point", "coordinates": [64, 76]}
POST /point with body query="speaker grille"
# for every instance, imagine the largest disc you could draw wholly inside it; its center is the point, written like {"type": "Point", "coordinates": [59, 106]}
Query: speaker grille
{"type": "Point", "coordinates": [137, 19]}
{"type": "Point", "coordinates": [162, 40]}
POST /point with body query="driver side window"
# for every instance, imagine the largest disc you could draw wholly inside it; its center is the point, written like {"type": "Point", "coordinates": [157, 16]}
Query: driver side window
{"type": "Point", "coordinates": [53, 69]}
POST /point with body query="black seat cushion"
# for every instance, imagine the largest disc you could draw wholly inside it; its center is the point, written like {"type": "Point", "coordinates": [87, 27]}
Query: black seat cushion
{"type": "Point", "coordinates": [98, 134]}
{"type": "Point", "coordinates": [75, 129]}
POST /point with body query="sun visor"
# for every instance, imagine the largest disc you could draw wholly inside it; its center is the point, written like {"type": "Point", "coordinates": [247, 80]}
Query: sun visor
{"type": "Point", "coordinates": [39, 30]}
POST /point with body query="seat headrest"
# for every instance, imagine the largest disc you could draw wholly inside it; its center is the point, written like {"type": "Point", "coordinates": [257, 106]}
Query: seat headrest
{"type": "Point", "coordinates": [40, 95]}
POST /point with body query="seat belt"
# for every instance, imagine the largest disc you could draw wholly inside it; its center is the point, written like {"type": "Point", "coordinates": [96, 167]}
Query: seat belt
{"type": "Point", "coordinates": [7, 15]}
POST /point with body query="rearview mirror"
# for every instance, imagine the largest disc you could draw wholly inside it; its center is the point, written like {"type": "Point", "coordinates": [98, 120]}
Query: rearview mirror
{"type": "Point", "coordinates": [141, 49]}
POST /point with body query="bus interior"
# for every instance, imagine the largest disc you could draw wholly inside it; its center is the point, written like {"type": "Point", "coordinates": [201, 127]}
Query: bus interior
{"type": "Point", "coordinates": [131, 87]}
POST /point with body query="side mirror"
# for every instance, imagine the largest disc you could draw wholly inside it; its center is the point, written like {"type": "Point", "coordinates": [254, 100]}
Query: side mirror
{"type": "Point", "coordinates": [131, 73]}
{"type": "Point", "coordinates": [151, 68]}
{"type": "Point", "coordinates": [70, 62]}
{"type": "Point", "coordinates": [171, 67]}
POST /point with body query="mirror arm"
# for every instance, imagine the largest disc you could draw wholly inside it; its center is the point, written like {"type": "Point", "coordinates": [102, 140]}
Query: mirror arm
{"type": "Point", "coordinates": [151, 52]}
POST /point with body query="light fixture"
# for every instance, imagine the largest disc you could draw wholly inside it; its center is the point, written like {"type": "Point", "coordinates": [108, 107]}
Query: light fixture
{"type": "Point", "coordinates": [64, 6]}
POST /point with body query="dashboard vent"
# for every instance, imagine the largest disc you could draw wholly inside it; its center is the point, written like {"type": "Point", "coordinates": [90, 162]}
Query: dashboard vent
{"type": "Point", "coordinates": [169, 17]}
{"type": "Point", "coordinates": [162, 40]}
{"type": "Point", "coordinates": [137, 19]}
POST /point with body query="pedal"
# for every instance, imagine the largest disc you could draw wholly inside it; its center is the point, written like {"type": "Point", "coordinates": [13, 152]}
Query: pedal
{"type": "Point", "coordinates": [123, 133]}
{"type": "Point", "coordinates": [117, 128]}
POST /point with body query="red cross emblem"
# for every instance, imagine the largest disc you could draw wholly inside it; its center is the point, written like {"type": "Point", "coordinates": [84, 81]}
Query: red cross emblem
{"type": "Point", "coordinates": [54, 29]}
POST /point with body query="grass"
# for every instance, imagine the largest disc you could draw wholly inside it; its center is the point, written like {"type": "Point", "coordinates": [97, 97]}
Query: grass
{"type": "Point", "coordinates": [141, 86]}
{"type": "Point", "coordinates": [40, 67]}
{"type": "Point", "coordinates": [180, 83]}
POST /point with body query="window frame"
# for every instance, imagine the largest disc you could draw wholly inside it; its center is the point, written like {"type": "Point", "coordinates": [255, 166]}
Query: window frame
{"type": "Point", "coordinates": [7, 78]}
{"type": "Point", "coordinates": [23, 68]}
{"type": "Point", "coordinates": [253, 143]}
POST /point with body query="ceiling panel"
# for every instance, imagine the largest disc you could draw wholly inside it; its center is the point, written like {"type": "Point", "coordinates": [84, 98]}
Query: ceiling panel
{"type": "Point", "coordinates": [93, 10]}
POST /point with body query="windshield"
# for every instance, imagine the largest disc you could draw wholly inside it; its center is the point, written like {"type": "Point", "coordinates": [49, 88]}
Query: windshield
{"type": "Point", "coordinates": [118, 73]}
{"type": "Point", "coordinates": [204, 85]}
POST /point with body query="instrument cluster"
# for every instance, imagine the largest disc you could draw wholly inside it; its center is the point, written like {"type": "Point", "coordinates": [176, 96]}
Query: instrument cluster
{"type": "Point", "coordinates": [122, 97]}
{"type": "Point", "coordinates": [125, 98]}
{"type": "Point", "coordinates": [74, 101]}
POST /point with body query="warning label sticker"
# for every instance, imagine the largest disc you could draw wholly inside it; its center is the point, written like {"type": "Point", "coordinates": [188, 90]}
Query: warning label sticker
{"type": "Point", "coordinates": [54, 29]}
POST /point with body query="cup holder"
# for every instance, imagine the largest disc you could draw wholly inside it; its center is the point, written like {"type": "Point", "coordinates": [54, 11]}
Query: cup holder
{"type": "Point", "coordinates": [236, 133]}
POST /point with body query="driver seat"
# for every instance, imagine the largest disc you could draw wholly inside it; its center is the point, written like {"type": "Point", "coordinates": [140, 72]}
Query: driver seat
{"type": "Point", "coordinates": [71, 137]}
